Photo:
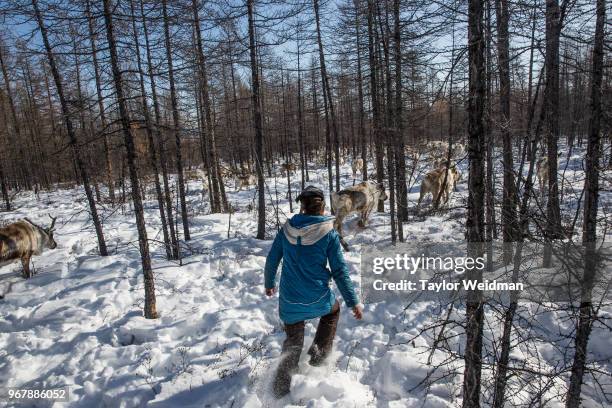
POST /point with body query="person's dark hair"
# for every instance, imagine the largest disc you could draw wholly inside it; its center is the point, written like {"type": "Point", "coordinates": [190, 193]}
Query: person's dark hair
{"type": "Point", "coordinates": [312, 205]}
{"type": "Point", "coordinates": [312, 200]}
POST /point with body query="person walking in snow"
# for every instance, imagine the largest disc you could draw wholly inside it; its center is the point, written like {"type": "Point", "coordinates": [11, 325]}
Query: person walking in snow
{"type": "Point", "coordinates": [306, 244]}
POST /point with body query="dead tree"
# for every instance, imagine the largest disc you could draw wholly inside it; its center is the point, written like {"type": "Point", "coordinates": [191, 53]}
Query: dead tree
{"type": "Point", "coordinates": [150, 310]}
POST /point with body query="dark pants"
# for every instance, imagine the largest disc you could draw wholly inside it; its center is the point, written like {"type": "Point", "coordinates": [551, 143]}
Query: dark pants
{"type": "Point", "coordinates": [292, 348]}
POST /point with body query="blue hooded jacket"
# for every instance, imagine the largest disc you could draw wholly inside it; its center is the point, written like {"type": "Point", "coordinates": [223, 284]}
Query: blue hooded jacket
{"type": "Point", "coordinates": [306, 244]}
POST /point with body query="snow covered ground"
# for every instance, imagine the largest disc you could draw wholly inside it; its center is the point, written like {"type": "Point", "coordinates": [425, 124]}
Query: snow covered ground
{"type": "Point", "coordinates": [79, 321]}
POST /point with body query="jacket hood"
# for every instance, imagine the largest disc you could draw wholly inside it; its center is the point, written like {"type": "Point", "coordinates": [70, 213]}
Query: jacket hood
{"type": "Point", "coordinates": [307, 229]}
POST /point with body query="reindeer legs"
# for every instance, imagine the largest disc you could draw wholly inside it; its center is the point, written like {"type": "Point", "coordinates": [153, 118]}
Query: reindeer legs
{"type": "Point", "coordinates": [25, 261]}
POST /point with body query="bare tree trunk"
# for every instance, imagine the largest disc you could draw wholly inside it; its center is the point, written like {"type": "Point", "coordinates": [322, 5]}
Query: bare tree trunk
{"type": "Point", "coordinates": [261, 202]}
{"type": "Point", "coordinates": [237, 152]}
{"type": "Point", "coordinates": [327, 93]}
{"type": "Point", "coordinates": [216, 188]}
{"type": "Point", "coordinates": [4, 182]}
{"type": "Point", "coordinates": [400, 157]}
{"type": "Point", "coordinates": [591, 200]}
{"type": "Point", "coordinates": [387, 98]}
{"type": "Point", "coordinates": [80, 105]}
{"type": "Point", "coordinates": [204, 145]}
{"type": "Point", "coordinates": [362, 132]}
{"type": "Point", "coordinates": [375, 103]}
{"type": "Point", "coordinates": [150, 310]}
{"type": "Point", "coordinates": [509, 194]}
{"type": "Point", "coordinates": [160, 139]}
{"type": "Point", "coordinates": [268, 156]}
{"type": "Point", "coordinates": [509, 221]}
{"type": "Point", "coordinates": [288, 152]}
{"type": "Point", "coordinates": [551, 103]}
{"type": "Point", "coordinates": [151, 141]}
{"type": "Point", "coordinates": [491, 230]}
{"type": "Point", "coordinates": [475, 213]}
{"type": "Point", "coordinates": [328, 143]}
{"type": "Point", "coordinates": [303, 161]}
{"type": "Point", "coordinates": [4, 189]}
{"type": "Point", "coordinates": [48, 97]}
{"type": "Point", "coordinates": [501, 376]}
{"type": "Point", "coordinates": [451, 111]}
{"type": "Point", "coordinates": [391, 169]}
{"type": "Point", "coordinates": [235, 112]}
{"type": "Point", "coordinates": [76, 151]}
{"type": "Point", "coordinates": [94, 54]}
{"type": "Point", "coordinates": [176, 124]}
{"type": "Point", "coordinates": [530, 75]}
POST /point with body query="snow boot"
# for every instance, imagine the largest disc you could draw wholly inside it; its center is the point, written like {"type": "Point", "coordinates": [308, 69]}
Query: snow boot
{"type": "Point", "coordinates": [324, 337]}
{"type": "Point", "coordinates": [292, 348]}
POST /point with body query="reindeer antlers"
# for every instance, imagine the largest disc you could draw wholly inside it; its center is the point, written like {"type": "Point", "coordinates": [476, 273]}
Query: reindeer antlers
{"type": "Point", "coordinates": [53, 219]}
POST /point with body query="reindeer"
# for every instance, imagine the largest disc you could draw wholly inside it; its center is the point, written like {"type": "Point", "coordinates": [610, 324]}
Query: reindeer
{"type": "Point", "coordinates": [245, 180]}
{"type": "Point", "coordinates": [458, 150]}
{"type": "Point", "coordinates": [361, 199]}
{"type": "Point", "coordinates": [22, 239]}
{"type": "Point", "coordinates": [433, 183]}
{"type": "Point", "coordinates": [542, 173]}
{"type": "Point", "coordinates": [288, 167]}
{"type": "Point", "coordinates": [357, 166]}
{"type": "Point", "coordinates": [225, 172]}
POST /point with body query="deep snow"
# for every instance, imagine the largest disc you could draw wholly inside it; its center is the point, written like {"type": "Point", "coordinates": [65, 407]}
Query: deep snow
{"type": "Point", "coordinates": [79, 320]}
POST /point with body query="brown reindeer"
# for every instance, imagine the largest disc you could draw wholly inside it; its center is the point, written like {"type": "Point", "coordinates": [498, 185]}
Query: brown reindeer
{"type": "Point", "coordinates": [288, 167]}
{"type": "Point", "coordinates": [22, 239]}
{"type": "Point", "coordinates": [434, 183]}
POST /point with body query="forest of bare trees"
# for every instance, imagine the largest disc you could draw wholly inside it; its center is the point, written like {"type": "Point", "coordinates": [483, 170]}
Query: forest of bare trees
{"type": "Point", "coordinates": [133, 98]}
